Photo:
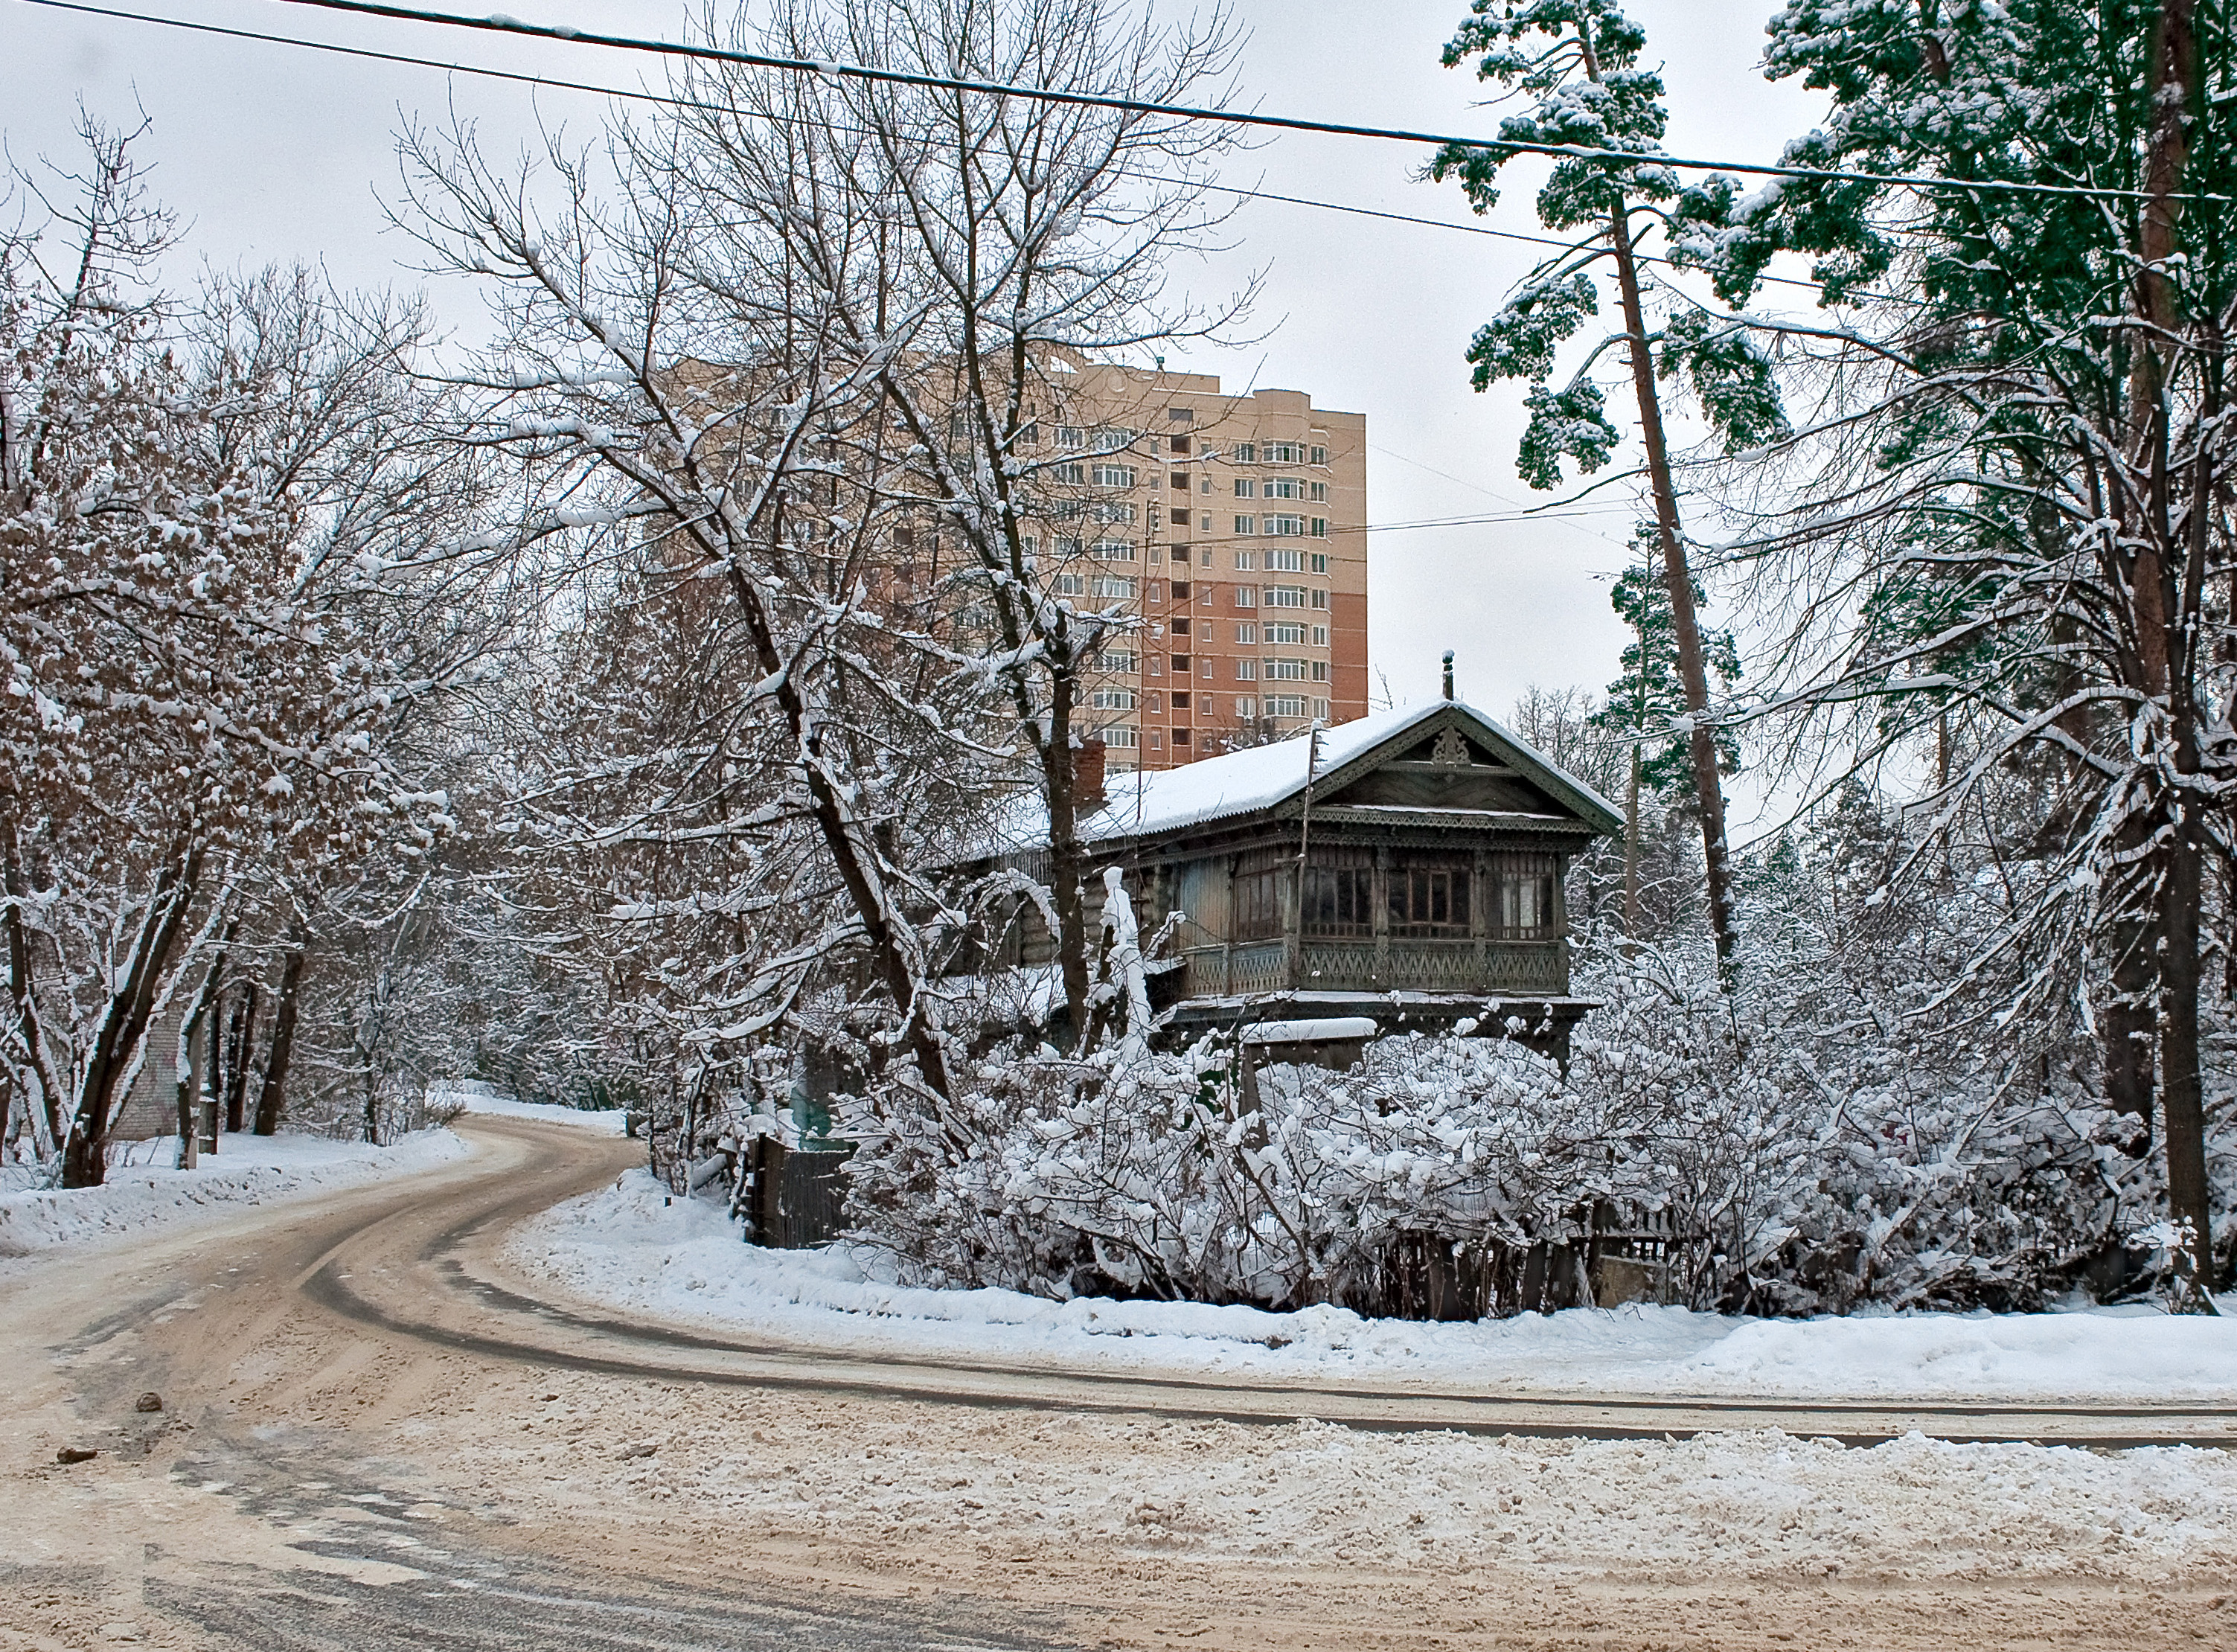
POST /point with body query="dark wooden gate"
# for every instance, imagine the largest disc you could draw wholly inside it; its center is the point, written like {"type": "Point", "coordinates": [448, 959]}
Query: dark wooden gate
{"type": "Point", "coordinates": [798, 1198]}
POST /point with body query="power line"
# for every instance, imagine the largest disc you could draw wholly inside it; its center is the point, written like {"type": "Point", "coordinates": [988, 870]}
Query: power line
{"type": "Point", "coordinates": [670, 100]}
{"type": "Point", "coordinates": [499, 24]}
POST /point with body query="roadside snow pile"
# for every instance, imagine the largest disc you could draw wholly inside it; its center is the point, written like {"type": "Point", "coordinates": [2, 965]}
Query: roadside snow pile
{"type": "Point", "coordinates": [472, 1096]}
{"type": "Point", "coordinates": [145, 1191]}
{"type": "Point", "coordinates": [627, 1246]}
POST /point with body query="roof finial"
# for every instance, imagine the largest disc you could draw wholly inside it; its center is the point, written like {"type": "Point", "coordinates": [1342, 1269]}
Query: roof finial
{"type": "Point", "coordinates": [1449, 673]}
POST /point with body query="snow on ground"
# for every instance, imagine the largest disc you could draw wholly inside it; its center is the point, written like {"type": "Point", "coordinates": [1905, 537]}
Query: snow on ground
{"type": "Point", "coordinates": [892, 1484]}
{"type": "Point", "coordinates": [144, 1190]}
{"type": "Point", "coordinates": [627, 1246]}
{"type": "Point", "coordinates": [472, 1096]}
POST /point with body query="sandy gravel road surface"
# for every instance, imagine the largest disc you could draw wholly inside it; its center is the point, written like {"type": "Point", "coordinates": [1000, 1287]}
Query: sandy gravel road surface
{"type": "Point", "coordinates": [372, 1436]}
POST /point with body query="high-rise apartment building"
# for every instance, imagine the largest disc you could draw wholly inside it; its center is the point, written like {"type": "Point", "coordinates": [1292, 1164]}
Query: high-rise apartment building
{"type": "Point", "coordinates": [1231, 531]}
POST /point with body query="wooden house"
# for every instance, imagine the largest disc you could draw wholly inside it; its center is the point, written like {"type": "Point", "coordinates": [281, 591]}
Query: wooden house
{"type": "Point", "coordinates": [1403, 870]}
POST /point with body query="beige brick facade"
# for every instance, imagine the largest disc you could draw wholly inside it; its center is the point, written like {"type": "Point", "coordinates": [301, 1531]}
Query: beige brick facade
{"type": "Point", "coordinates": [1234, 529]}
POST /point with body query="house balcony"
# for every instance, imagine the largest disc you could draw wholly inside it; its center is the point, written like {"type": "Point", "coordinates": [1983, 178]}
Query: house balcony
{"type": "Point", "coordinates": [1469, 965]}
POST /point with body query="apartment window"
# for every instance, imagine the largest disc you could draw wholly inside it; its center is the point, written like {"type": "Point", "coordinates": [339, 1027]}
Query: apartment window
{"type": "Point", "coordinates": [1287, 671]}
{"type": "Point", "coordinates": [1246, 635]}
{"type": "Point", "coordinates": [1156, 591]}
{"type": "Point", "coordinates": [1180, 481]}
{"type": "Point", "coordinates": [1155, 665]}
{"type": "Point", "coordinates": [1320, 493]}
{"type": "Point", "coordinates": [1181, 415]}
{"type": "Point", "coordinates": [1204, 597]}
{"type": "Point", "coordinates": [1246, 596]}
{"type": "Point", "coordinates": [1318, 528]}
{"type": "Point", "coordinates": [1179, 444]}
{"type": "Point", "coordinates": [1286, 596]}
{"type": "Point", "coordinates": [1246, 525]}
{"type": "Point", "coordinates": [1245, 707]}
{"type": "Point", "coordinates": [1246, 670]}
{"type": "Point", "coordinates": [1429, 900]}
{"type": "Point", "coordinates": [1113, 587]}
{"type": "Point", "coordinates": [1180, 666]}
{"type": "Point", "coordinates": [1180, 737]}
{"type": "Point", "coordinates": [1180, 699]}
{"type": "Point", "coordinates": [1285, 706]}
{"type": "Point", "coordinates": [1070, 471]}
{"type": "Point", "coordinates": [1153, 701]}
{"type": "Point", "coordinates": [1321, 709]}
{"type": "Point", "coordinates": [1246, 562]}
{"type": "Point", "coordinates": [1155, 517]}
{"type": "Point", "coordinates": [1114, 439]}
{"type": "Point", "coordinates": [1285, 526]}
{"type": "Point", "coordinates": [1157, 741]}
{"type": "Point", "coordinates": [1067, 584]}
{"type": "Point", "coordinates": [1114, 476]}
{"type": "Point", "coordinates": [1114, 549]}
{"type": "Point", "coordinates": [1029, 436]}
{"type": "Point", "coordinates": [1320, 670]}
{"type": "Point", "coordinates": [1285, 561]}
{"type": "Point", "coordinates": [1282, 631]}
{"type": "Point", "coordinates": [1203, 668]}
{"type": "Point", "coordinates": [1205, 485]}
{"type": "Point", "coordinates": [1180, 591]}
{"type": "Point", "coordinates": [1111, 510]}
{"type": "Point", "coordinates": [1283, 453]}
{"type": "Point", "coordinates": [1246, 488]}
{"type": "Point", "coordinates": [1180, 626]}
{"type": "Point", "coordinates": [1120, 661]}
{"type": "Point", "coordinates": [1071, 436]}
{"type": "Point", "coordinates": [1320, 636]}
{"type": "Point", "coordinates": [1284, 487]}
{"type": "Point", "coordinates": [1112, 699]}
{"type": "Point", "coordinates": [1245, 454]}
{"type": "Point", "coordinates": [1320, 562]}
{"type": "Point", "coordinates": [1206, 553]}
{"type": "Point", "coordinates": [1119, 736]}
{"type": "Point", "coordinates": [1319, 597]}
{"type": "Point", "coordinates": [1319, 456]}
{"type": "Point", "coordinates": [1066, 547]}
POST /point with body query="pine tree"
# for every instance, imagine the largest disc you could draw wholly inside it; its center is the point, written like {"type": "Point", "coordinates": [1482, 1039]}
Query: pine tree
{"type": "Point", "coordinates": [1645, 707]}
{"type": "Point", "coordinates": [1577, 62]}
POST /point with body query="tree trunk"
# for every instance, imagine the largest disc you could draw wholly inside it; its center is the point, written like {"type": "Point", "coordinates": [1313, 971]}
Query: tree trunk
{"type": "Point", "coordinates": [43, 1099]}
{"type": "Point", "coordinates": [1677, 579]}
{"type": "Point", "coordinates": [1631, 915]}
{"type": "Point", "coordinates": [124, 1019]}
{"type": "Point", "coordinates": [2189, 1201]}
{"type": "Point", "coordinates": [239, 1040]}
{"type": "Point", "coordinates": [2126, 1030]}
{"type": "Point", "coordinates": [272, 1097]}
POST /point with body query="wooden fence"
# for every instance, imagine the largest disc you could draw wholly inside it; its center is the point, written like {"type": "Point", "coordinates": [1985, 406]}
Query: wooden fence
{"type": "Point", "coordinates": [795, 1199]}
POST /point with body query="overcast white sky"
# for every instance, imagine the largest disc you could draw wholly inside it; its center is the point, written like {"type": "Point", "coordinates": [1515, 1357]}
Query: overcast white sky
{"type": "Point", "coordinates": [274, 153]}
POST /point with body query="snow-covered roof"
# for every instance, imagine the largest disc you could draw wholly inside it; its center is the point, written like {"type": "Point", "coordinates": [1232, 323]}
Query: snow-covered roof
{"type": "Point", "coordinates": [1262, 778]}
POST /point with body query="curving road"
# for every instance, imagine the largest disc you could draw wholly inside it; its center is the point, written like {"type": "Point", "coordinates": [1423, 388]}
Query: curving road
{"type": "Point", "coordinates": [428, 1267]}
{"type": "Point", "coordinates": [374, 1436]}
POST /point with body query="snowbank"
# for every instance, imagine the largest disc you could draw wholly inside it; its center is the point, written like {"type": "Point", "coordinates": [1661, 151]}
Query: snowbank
{"type": "Point", "coordinates": [625, 1247]}
{"type": "Point", "coordinates": [145, 1191]}
{"type": "Point", "coordinates": [474, 1097]}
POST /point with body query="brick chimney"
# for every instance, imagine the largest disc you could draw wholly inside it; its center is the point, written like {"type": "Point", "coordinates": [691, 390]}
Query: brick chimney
{"type": "Point", "coordinates": [1087, 774]}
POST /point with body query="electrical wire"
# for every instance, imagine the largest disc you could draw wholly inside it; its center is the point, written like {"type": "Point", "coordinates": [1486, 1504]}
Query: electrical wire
{"type": "Point", "coordinates": [499, 24]}
{"type": "Point", "coordinates": [672, 100]}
